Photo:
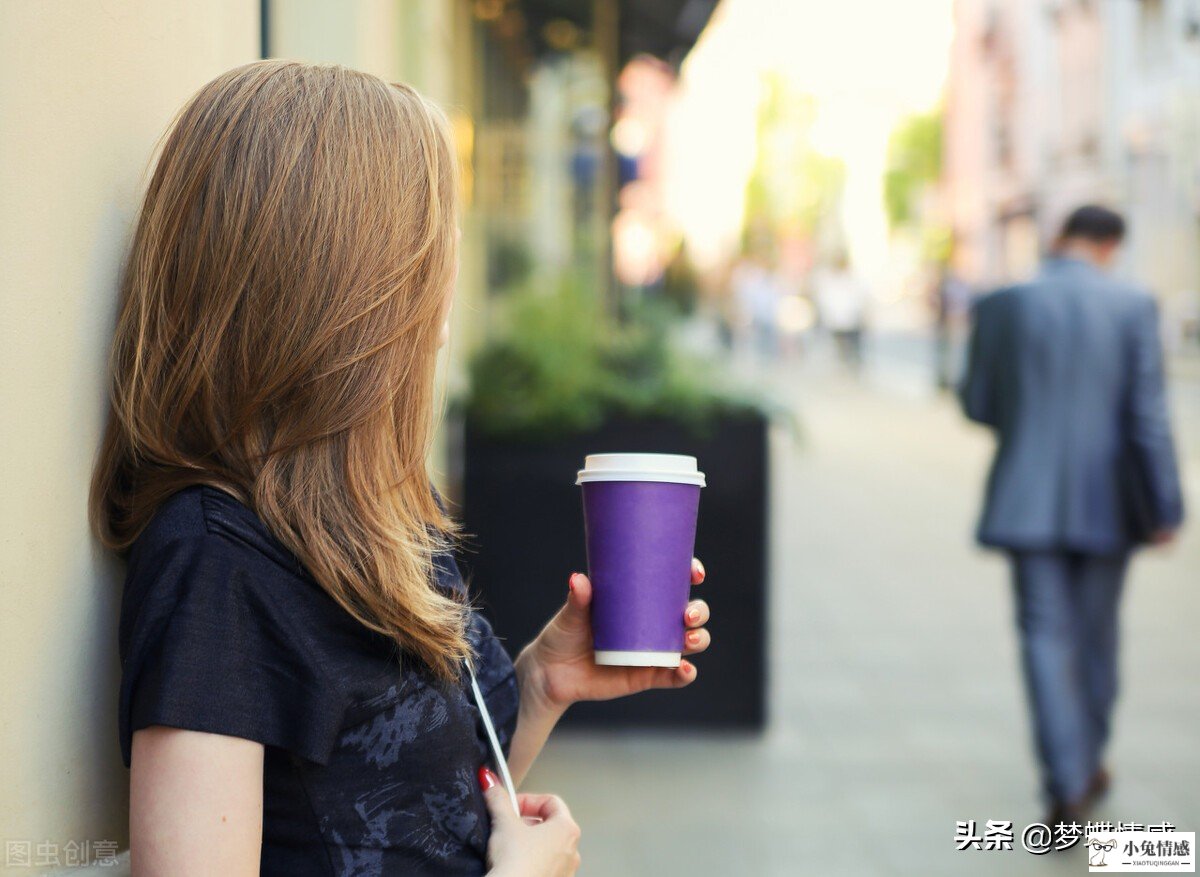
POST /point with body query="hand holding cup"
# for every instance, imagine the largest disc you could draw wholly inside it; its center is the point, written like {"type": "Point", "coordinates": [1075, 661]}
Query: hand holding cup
{"type": "Point", "coordinates": [568, 671]}
{"type": "Point", "coordinates": [628, 626]}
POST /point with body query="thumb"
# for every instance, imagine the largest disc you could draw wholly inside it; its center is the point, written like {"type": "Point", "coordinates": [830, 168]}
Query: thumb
{"type": "Point", "coordinates": [579, 598]}
{"type": "Point", "coordinates": [496, 796]}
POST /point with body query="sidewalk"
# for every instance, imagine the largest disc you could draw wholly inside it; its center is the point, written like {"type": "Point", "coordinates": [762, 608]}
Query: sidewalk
{"type": "Point", "coordinates": [896, 705]}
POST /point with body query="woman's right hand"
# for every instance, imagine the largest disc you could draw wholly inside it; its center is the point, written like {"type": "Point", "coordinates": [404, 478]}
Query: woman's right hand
{"type": "Point", "coordinates": [543, 841]}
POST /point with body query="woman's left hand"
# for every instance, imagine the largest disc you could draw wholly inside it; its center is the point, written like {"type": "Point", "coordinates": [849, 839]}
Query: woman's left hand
{"type": "Point", "coordinates": [558, 665]}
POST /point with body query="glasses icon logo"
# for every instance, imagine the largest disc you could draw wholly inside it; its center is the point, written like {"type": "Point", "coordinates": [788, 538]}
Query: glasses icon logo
{"type": "Point", "coordinates": [1099, 849]}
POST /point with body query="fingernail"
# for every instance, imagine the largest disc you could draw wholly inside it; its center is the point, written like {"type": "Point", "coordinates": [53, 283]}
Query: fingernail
{"type": "Point", "coordinates": [700, 568]}
{"type": "Point", "coordinates": [693, 615]}
{"type": "Point", "coordinates": [571, 581]}
{"type": "Point", "coordinates": [693, 638]}
{"type": "Point", "coordinates": [487, 779]}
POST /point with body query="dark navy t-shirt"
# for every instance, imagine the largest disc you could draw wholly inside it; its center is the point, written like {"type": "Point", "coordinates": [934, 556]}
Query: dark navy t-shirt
{"type": "Point", "coordinates": [370, 763]}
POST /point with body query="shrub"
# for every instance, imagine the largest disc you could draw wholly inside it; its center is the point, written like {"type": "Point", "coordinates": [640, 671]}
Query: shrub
{"type": "Point", "coordinates": [559, 362]}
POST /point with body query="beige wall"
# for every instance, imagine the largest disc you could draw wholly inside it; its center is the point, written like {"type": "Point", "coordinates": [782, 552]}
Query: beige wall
{"type": "Point", "coordinates": [86, 88]}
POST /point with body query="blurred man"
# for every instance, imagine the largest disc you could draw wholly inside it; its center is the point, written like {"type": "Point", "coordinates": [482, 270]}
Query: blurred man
{"type": "Point", "coordinates": [1067, 370]}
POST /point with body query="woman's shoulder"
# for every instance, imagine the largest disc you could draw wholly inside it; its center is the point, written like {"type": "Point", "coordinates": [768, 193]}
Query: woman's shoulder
{"type": "Point", "coordinates": [206, 520]}
{"type": "Point", "coordinates": [207, 563]}
{"type": "Point", "coordinates": [221, 631]}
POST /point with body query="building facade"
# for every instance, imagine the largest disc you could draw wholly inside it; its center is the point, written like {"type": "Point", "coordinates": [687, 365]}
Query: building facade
{"type": "Point", "coordinates": [1054, 103]}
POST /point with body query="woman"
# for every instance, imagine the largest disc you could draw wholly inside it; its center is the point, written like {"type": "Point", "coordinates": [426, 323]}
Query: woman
{"type": "Point", "coordinates": [294, 630]}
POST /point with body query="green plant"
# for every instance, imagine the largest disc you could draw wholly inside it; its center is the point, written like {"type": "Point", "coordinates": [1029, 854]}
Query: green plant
{"type": "Point", "coordinates": [914, 163]}
{"type": "Point", "coordinates": [680, 283]}
{"type": "Point", "coordinates": [557, 362]}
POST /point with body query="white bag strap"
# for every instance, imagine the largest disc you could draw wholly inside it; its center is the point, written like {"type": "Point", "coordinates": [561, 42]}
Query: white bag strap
{"type": "Point", "coordinates": [497, 752]}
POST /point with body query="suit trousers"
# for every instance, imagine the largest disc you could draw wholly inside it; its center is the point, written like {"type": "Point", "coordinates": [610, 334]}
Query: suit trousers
{"type": "Point", "coordinates": [1067, 608]}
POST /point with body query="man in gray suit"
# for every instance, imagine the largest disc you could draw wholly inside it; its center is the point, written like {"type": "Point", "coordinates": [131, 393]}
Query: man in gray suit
{"type": "Point", "coordinates": [1067, 371]}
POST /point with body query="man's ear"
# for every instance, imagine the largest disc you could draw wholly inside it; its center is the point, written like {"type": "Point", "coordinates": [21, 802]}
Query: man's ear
{"type": "Point", "coordinates": [1107, 252]}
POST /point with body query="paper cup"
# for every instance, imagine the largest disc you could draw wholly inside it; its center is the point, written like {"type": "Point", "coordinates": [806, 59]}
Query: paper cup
{"type": "Point", "coordinates": [639, 515]}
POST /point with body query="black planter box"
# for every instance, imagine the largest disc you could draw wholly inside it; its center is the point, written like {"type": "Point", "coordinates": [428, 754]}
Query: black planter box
{"type": "Point", "coordinates": [523, 517]}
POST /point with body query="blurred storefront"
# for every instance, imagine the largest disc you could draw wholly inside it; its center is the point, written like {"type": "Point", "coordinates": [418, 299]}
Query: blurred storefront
{"type": "Point", "coordinates": [530, 86]}
{"type": "Point", "coordinates": [532, 89]}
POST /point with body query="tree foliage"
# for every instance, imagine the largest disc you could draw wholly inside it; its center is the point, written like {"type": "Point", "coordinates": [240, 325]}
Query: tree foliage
{"type": "Point", "coordinates": [914, 162]}
{"type": "Point", "coordinates": [793, 187]}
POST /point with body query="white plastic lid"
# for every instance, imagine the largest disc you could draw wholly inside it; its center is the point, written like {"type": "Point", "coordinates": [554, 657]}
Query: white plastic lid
{"type": "Point", "coordinates": [672, 468]}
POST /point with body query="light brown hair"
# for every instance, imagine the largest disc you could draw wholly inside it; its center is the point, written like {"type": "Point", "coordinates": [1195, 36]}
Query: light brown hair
{"type": "Point", "coordinates": [278, 332]}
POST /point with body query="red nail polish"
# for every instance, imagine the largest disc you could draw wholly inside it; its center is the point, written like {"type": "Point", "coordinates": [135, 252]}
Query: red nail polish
{"type": "Point", "coordinates": [571, 581]}
{"type": "Point", "coordinates": [487, 779]}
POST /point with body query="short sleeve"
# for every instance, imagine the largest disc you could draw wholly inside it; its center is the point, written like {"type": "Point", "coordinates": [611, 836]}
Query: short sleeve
{"type": "Point", "coordinates": [217, 637]}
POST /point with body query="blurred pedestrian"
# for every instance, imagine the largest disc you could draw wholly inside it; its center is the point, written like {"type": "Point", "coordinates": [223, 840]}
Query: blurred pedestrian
{"type": "Point", "coordinates": [757, 292]}
{"type": "Point", "coordinates": [1067, 370]}
{"type": "Point", "coordinates": [951, 302]}
{"type": "Point", "coordinates": [842, 300]}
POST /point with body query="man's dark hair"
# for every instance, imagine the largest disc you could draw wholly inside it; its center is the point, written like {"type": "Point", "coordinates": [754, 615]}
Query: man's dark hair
{"type": "Point", "coordinates": [1094, 223]}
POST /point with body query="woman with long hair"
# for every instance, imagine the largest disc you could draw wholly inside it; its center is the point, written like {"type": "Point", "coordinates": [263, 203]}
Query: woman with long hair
{"type": "Point", "coordinates": [305, 688]}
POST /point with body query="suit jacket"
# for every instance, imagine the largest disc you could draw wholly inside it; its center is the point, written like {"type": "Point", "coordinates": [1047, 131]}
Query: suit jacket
{"type": "Point", "coordinates": [1067, 370]}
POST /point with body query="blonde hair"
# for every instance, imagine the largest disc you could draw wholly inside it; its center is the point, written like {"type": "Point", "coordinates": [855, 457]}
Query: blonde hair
{"type": "Point", "coordinates": [278, 332]}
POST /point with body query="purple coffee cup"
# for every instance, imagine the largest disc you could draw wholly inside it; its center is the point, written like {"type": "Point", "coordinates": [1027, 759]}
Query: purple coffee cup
{"type": "Point", "coordinates": [639, 514]}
